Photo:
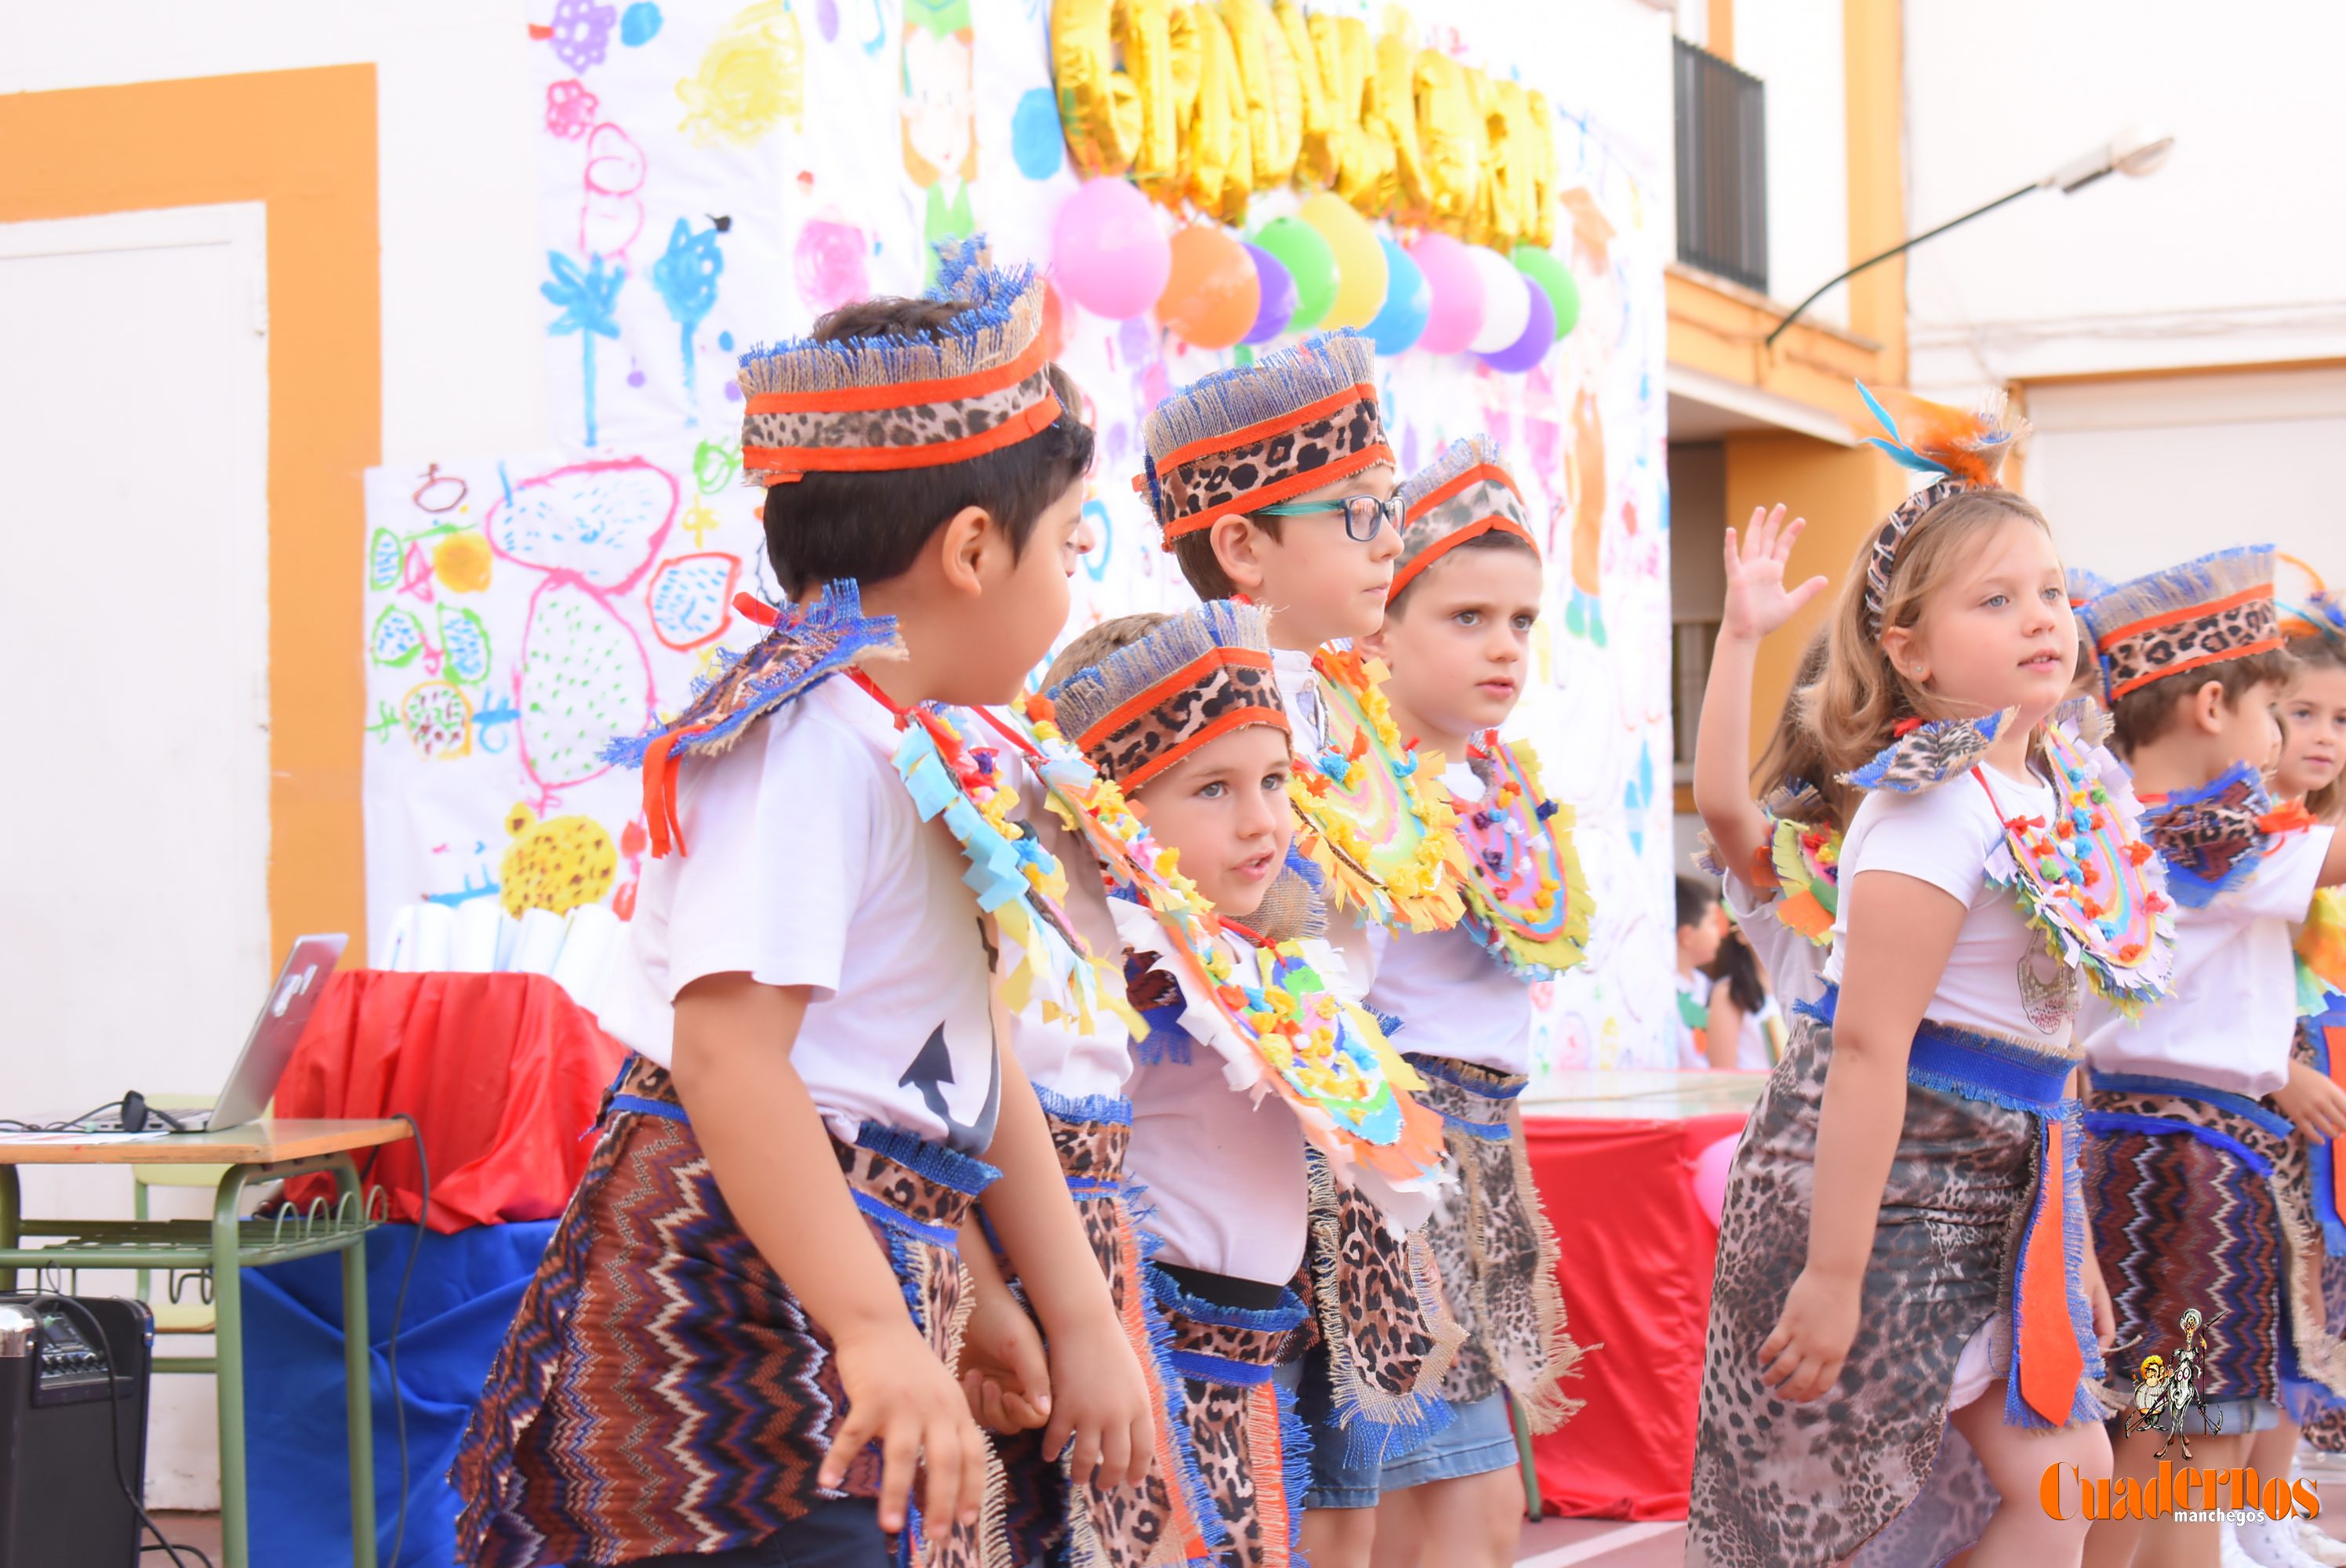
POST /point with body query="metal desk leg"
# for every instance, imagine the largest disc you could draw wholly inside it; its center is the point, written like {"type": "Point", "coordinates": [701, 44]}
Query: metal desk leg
{"type": "Point", "coordinates": [358, 1369]}
{"type": "Point", "coordinates": [227, 1310]}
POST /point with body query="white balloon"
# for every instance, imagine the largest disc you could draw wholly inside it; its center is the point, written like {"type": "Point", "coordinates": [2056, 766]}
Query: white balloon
{"type": "Point", "coordinates": [1506, 307]}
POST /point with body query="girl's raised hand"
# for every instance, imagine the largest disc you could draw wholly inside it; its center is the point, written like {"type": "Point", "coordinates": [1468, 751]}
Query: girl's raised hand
{"type": "Point", "coordinates": [1803, 1356]}
{"type": "Point", "coordinates": [1757, 600]}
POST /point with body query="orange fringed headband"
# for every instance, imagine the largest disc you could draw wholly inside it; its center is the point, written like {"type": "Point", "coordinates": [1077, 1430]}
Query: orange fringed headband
{"type": "Point", "coordinates": [1195, 676]}
{"type": "Point", "coordinates": [1466, 492]}
{"type": "Point", "coordinates": [869, 404]}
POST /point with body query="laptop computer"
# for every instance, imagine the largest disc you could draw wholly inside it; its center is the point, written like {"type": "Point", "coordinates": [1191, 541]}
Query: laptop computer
{"type": "Point", "coordinates": [268, 1049]}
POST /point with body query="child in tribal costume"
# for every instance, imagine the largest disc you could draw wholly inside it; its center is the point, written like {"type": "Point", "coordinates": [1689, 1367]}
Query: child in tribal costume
{"type": "Point", "coordinates": [1903, 1228]}
{"type": "Point", "coordinates": [1456, 639]}
{"type": "Point", "coordinates": [2202, 1195]}
{"type": "Point", "coordinates": [1272, 485]}
{"type": "Point", "coordinates": [758, 1275]}
{"type": "Point", "coordinates": [1182, 712]}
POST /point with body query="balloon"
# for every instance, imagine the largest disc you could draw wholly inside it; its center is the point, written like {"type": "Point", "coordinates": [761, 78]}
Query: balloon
{"type": "Point", "coordinates": [1298, 247]}
{"type": "Point", "coordinates": [1360, 260]}
{"type": "Point", "coordinates": [1505, 304]}
{"type": "Point", "coordinates": [1539, 333]}
{"type": "Point", "coordinates": [1107, 252]}
{"type": "Point", "coordinates": [1408, 302]}
{"type": "Point", "coordinates": [1546, 269]}
{"type": "Point", "coordinates": [1213, 295]}
{"type": "Point", "coordinates": [1277, 287]}
{"type": "Point", "coordinates": [1709, 1176]}
{"type": "Point", "coordinates": [1457, 313]}
{"type": "Point", "coordinates": [1116, 120]}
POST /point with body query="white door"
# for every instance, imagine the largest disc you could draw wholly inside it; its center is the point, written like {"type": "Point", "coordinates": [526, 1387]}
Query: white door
{"type": "Point", "coordinates": [134, 647]}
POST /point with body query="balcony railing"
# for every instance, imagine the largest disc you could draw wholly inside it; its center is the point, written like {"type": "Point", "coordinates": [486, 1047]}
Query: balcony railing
{"type": "Point", "coordinates": [1723, 168]}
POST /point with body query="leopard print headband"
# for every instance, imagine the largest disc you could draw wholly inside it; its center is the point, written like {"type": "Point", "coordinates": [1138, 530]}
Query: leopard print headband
{"type": "Point", "coordinates": [2187, 617]}
{"type": "Point", "coordinates": [1883, 559]}
{"type": "Point", "coordinates": [1464, 492]}
{"type": "Point", "coordinates": [980, 383]}
{"type": "Point", "coordinates": [1198, 676]}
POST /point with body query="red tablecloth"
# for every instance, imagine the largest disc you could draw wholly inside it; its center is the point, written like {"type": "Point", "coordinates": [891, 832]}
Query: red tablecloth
{"type": "Point", "coordinates": [503, 1074]}
{"type": "Point", "coordinates": [1637, 1252]}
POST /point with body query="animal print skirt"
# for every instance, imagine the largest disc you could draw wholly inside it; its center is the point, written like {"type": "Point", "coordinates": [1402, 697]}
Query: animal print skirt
{"type": "Point", "coordinates": [1169, 1521]}
{"type": "Point", "coordinates": [2205, 1199]}
{"type": "Point", "coordinates": [1253, 1454]}
{"type": "Point", "coordinates": [1386, 1337]}
{"type": "Point", "coordinates": [1495, 1252]}
{"type": "Point", "coordinates": [662, 1391]}
{"type": "Point", "coordinates": [1967, 1234]}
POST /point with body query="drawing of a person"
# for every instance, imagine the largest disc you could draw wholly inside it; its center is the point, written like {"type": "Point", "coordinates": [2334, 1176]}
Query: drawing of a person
{"type": "Point", "coordinates": [940, 118]}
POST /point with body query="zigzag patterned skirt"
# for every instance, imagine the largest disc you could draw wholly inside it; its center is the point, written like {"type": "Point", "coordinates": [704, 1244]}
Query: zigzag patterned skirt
{"type": "Point", "coordinates": [2204, 1200]}
{"type": "Point", "coordinates": [1169, 1521]}
{"type": "Point", "coordinates": [1497, 1253]}
{"type": "Point", "coordinates": [660, 1389]}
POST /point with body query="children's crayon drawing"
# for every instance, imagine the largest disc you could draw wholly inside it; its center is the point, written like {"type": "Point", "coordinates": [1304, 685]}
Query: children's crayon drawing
{"type": "Point", "coordinates": [718, 173]}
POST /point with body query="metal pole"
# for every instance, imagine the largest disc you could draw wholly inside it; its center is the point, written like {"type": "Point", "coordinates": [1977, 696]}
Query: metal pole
{"type": "Point", "coordinates": [1899, 249]}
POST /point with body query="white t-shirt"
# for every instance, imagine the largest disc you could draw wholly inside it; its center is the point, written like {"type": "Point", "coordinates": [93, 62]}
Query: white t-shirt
{"type": "Point", "coordinates": [808, 865]}
{"type": "Point", "coordinates": [1999, 977]}
{"type": "Point", "coordinates": [1452, 998]}
{"type": "Point", "coordinates": [1298, 688]}
{"type": "Point", "coordinates": [1059, 1056]}
{"type": "Point", "coordinates": [1795, 965]}
{"type": "Point", "coordinates": [1226, 1176]}
{"type": "Point", "coordinates": [2231, 1012]}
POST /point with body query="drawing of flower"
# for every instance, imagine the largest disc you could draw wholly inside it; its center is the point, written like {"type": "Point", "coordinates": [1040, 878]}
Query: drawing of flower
{"type": "Point", "coordinates": [570, 109]}
{"type": "Point", "coordinates": [751, 78]}
{"type": "Point", "coordinates": [582, 32]}
{"type": "Point", "coordinates": [686, 276]}
{"type": "Point", "coordinates": [587, 297]}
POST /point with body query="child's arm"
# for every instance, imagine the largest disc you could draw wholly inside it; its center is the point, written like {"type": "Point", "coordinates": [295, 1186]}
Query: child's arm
{"type": "Point", "coordinates": [1758, 603]}
{"type": "Point", "coordinates": [1722, 1037]}
{"type": "Point", "coordinates": [1100, 1396]}
{"type": "Point", "coordinates": [2334, 863]}
{"type": "Point", "coordinates": [772, 1161]}
{"type": "Point", "coordinates": [1004, 1370]}
{"type": "Point", "coordinates": [1890, 965]}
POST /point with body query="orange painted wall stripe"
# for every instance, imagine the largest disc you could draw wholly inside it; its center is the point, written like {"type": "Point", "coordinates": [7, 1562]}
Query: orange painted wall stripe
{"type": "Point", "coordinates": [304, 143]}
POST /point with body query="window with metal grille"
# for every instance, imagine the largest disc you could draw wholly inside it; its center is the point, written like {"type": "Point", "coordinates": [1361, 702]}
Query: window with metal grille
{"type": "Point", "coordinates": [1722, 167]}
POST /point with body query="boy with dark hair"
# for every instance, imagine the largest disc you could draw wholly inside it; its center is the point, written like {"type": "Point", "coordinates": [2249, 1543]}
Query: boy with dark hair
{"type": "Point", "coordinates": [737, 1348]}
{"type": "Point", "coordinates": [1701, 927]}
{"type": "Point", "coordinates": [2196, 1181]}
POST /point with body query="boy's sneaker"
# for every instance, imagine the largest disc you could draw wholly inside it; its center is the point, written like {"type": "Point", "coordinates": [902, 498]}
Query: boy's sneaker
{"type": "Point", "coordinates": [2319, 1543]}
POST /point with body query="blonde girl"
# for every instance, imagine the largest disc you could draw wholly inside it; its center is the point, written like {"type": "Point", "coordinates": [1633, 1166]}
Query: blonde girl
{"type": "Point", "coordinates": [1902, 1257]}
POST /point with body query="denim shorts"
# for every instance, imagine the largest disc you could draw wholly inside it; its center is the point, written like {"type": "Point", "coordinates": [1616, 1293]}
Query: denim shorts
{"type": "Point", "coordinates": [2220, 1416]}
{"type": "Point", "coordinates": [1479, 1438]}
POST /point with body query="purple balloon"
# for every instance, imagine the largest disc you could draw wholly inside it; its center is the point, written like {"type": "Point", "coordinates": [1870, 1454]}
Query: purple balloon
{"type": "Point", "coordinates": [1278, 296]}
{"type": "Point", "coordinates": [1540, 336]}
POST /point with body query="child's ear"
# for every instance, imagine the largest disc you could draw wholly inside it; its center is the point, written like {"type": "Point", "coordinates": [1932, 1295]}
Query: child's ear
{"type": "Point", "coordinates": [1238, 550]}
{"type": "Point", "coordinates": [960, 548]}
{"type": "Point", "coordinates": [2207, 706]}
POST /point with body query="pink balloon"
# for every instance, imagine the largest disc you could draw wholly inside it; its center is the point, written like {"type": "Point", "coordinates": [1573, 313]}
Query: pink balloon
{"type": "Point", "coordinates": [1457, 313]}
{"type": "Point", "coordinates": [1108, 251]}
{"type": "Point", "coordinates": [1710, 1176]}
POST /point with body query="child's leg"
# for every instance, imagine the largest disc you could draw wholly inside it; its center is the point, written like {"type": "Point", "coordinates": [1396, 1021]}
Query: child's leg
{"type": "Point", "coordinates": [2022, 1534]}
{"type": "Point", "coordinates": [1338, 1537]}
{"type": "Point", "coordinates": [2273, 1451]}
{"type": "Point", "coordinates": [2167, 1543]}
{"type": "Point", "coordinates": [1477, 1518]}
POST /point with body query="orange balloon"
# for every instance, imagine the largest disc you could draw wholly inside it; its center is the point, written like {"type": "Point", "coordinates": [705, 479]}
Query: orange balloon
{"type": "Point", "coordinates": [1214, 294]}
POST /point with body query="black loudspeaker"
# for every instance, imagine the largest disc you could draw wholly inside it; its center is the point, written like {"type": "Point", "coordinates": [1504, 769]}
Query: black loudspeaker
{"type": "Point", "coordinates": [72, 1429]}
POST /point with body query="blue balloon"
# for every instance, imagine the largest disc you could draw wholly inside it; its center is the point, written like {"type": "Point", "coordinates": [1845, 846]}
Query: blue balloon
{"type": "Point", "coordinates": [1036, 145]}
{"type": "Point", "coordinates": [1408, 300]}
{"type": "Point", "coordinates": [1278, 296]}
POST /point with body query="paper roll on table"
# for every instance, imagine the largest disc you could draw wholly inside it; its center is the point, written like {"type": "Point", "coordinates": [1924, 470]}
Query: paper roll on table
{"type": "Point", "coordinates": [478, 937]}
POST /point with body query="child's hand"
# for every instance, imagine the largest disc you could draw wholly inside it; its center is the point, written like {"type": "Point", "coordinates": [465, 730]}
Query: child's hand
{"type": "Point", "coordinates": [2309, 1099]}
{"type": "Point", "coordinates": [1803, 1356]}
{"type": "Point", "coordinates": [1757, 600]}
{"type": "Point", "coordinates": [1004, 1372]}
{"type": "Point", "coordinates": [1103, 1404]}
{"type": "Point", "coordinates": [901, 1397]}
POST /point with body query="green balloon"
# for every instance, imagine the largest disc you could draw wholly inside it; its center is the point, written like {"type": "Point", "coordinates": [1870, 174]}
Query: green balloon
{"type": "Point", "coordinates": [1301, 250]}
{"type": "Point", "coordinates": [1555, 280]}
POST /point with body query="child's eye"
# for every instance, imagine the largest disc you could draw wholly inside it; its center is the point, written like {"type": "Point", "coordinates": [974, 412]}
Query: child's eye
{"type": "Point", "coordinates": [1213, 791]}
{"type": "Point", "coordinates": [1467, 617]}
{"type": "Point", "coordinates": [1524, 623]}
{"type": "Point", "coordinates": [2053, 593]}
{"type": "Point", "coordinates": [1275, 781]}
{"type": "Point", "coordinates": [1994, 602]}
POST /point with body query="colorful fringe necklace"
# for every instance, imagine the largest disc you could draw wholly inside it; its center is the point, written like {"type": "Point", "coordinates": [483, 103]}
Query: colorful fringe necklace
{"type": "Point", "coordinates": [1527, 896]}
{"type": "Point", "coordinates": [1386, 841]}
